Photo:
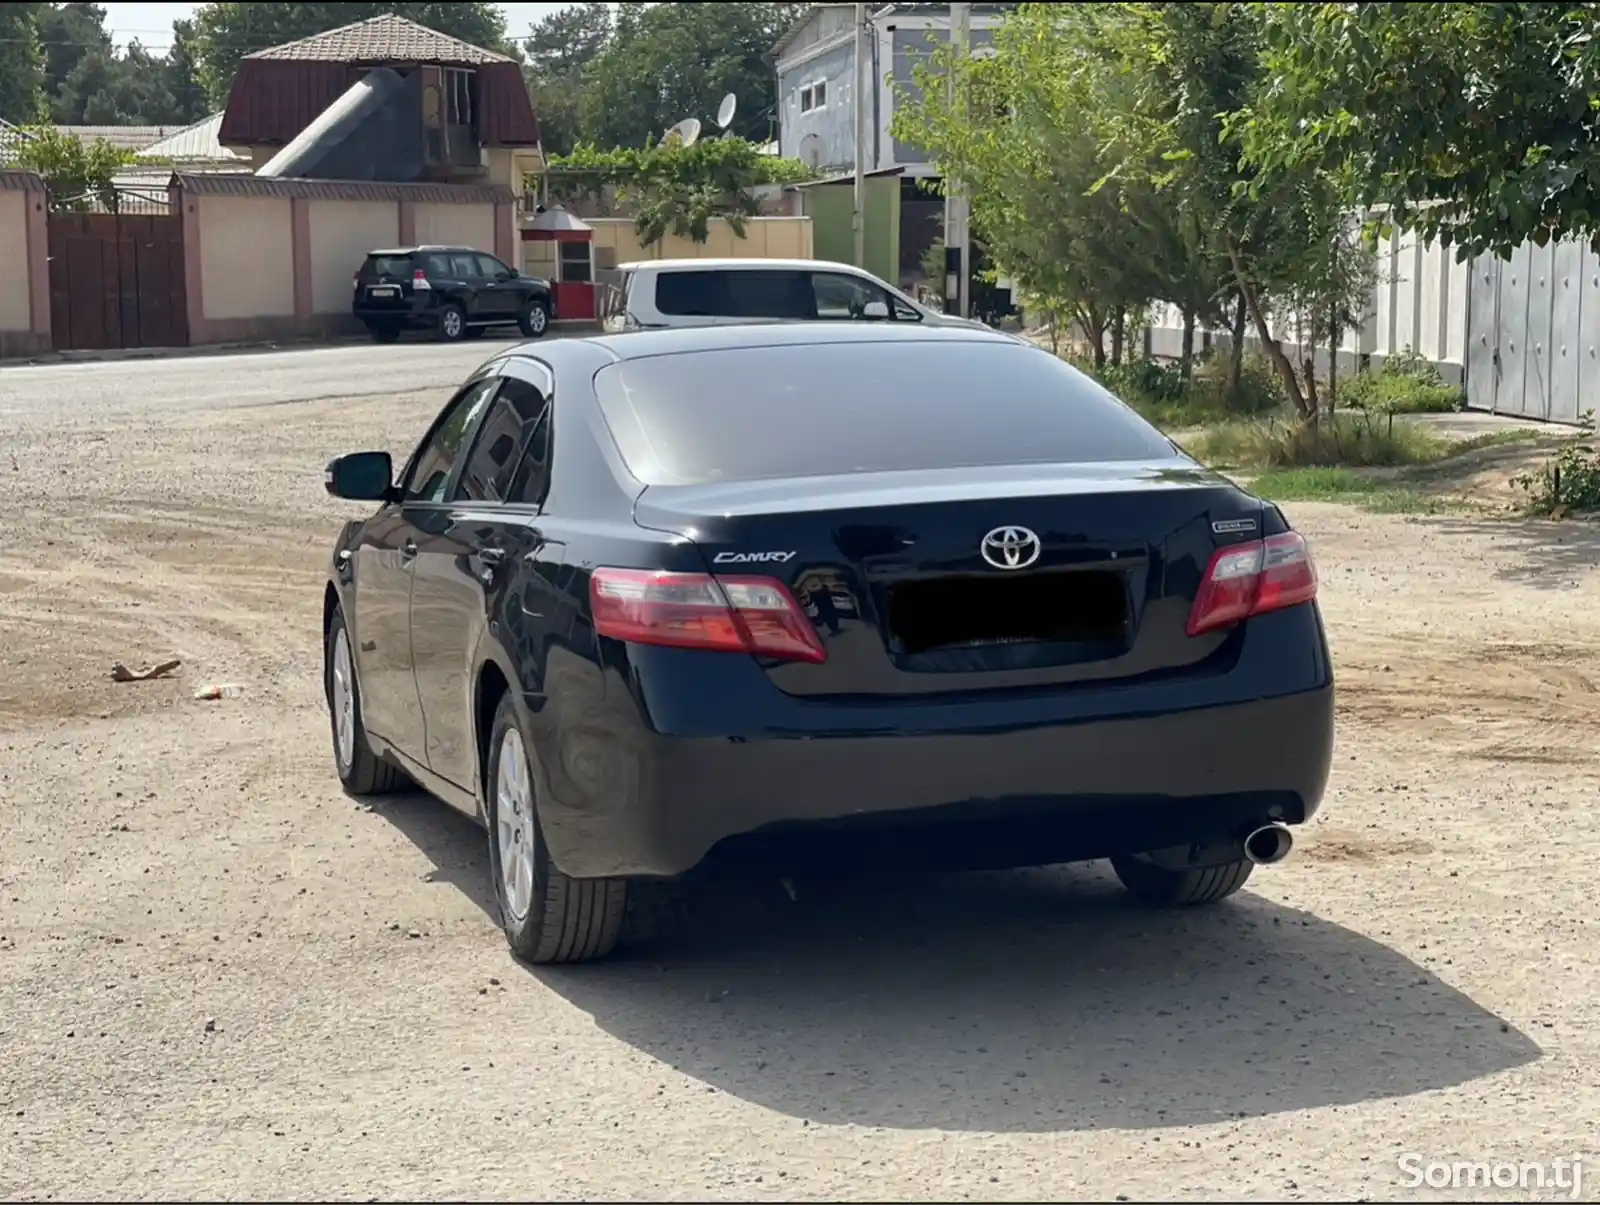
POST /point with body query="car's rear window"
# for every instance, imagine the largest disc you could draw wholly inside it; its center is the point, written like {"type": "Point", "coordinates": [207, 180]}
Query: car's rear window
{"type": "Point", "coordinates": [397, 266]}
{"type": "Point", "coordinates": [819, 409]}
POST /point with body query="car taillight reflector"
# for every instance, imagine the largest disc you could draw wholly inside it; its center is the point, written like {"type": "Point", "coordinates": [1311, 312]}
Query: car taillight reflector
{"type": "Point", "coordinates": [1251, 579]}
{"type": "Point", "coordinates": [697, 611]}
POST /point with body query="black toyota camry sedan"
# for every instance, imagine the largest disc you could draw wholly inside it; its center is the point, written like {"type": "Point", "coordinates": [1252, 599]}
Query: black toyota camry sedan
{"type": "Point", "coordinates": [779, 593]}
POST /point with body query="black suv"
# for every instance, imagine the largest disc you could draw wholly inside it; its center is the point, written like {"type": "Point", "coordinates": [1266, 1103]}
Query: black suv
{"type": "Point", "coordinates": [456, 291]}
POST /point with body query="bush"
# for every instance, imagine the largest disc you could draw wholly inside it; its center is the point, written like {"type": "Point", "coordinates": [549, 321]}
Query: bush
{"type": "Point", "coordinates": [1355, 440]}
{"type": "Point", "coordinates": [1157, 390]}
{"type": "Point", "coordinates": [1405, 384]}
{"type": "Point", "coordinates": [1569, 482]}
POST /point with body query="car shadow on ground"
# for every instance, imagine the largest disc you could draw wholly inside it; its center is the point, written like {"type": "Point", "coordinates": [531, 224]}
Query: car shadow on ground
{"type": "Point", "coordinates": [1023, 1002]}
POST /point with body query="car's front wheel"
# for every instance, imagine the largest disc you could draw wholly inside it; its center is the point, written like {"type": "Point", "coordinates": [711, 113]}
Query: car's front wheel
{"type": "Point", "coordinates": [360, 770]}
{"type": "Point", "coordinates": [1172, 888]}
{"type": "Point", "coordinates": [534, 319]}
{"type": "Point", "coordinates": [547, 916]}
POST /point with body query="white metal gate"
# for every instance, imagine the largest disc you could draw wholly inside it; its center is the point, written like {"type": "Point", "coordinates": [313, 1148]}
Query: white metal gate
{"type": "Point", "coordinates": [1533, 332]}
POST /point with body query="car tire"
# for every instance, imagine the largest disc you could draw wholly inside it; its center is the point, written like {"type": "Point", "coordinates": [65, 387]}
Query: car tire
{"type": "Point", "coordinates": [1168, 888]}
{"type": "Point", "coordinates": [534, 320]}
{"type": "Point", "coordinates": [384, 333]}
{"type": "Point", "coordinates": [548, 917]}
{"type": "Point", "coordinates": [452, 322]}
{"type": "Point", "coordinates": [361, 771]}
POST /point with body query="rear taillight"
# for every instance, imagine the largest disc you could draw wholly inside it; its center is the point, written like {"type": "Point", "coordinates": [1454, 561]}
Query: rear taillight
{"type": "Point", "coordinates": [697, 611]}
{"type": "Point", "coordinates": [1252, 579]}
{"type": "Point", "coordinates": [419, 279]}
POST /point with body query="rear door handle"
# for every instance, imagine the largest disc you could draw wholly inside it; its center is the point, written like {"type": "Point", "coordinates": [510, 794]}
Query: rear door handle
{"type": "Point", "coordinates": [408, 550]}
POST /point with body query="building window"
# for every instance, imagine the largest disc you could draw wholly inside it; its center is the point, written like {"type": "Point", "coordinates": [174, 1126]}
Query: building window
{"type": "Point", "coordinates": [575, 263]}
{"type": "Point", "coordinates": [813, 96]}
{"type": "Point", "coordinates": [458, 97]}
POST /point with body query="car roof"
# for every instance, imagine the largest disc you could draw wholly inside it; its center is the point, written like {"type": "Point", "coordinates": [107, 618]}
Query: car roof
{"type": "Point", "coordinates": [421, 247]}
{"type": "Point", "coordinates": [742, 264]}
{"type": "Point", "coordinates": [638, 345]}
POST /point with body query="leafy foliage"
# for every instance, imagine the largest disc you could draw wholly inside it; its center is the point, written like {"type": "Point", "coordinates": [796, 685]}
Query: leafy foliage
{"type": "Point", "coordinates": [21, 63]}
{"type": "Point", "coordinates": [73, 171]}
{"type": "Point", "coordinates": [675, 189]}
{"type": "Point", "coordinates": [1477, 124]}
{"type": "Point", "coordinates": [665, 62]}
{"type": "Point", "coordinates": [226, 33]}
{"type": "Point", "coordinates": [1570, 482]}
{"type": "Point", "coordinates": [1406, 384]}
{"type": "Point", "coordinates": [561, 53]}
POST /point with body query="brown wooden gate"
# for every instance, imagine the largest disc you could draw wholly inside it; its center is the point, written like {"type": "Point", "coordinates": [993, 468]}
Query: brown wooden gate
{"type": "Point", "coordinates": [116, 280]}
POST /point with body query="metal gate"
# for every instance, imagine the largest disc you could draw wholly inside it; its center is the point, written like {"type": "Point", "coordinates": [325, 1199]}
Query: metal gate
{"type": "Point", "coordinates": [117, 280]}
{"type": "Point", "coordinates": [1533, 332]}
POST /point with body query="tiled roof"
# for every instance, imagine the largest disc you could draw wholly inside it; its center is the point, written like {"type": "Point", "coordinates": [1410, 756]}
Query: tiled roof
{"type": "Point", "coordinates": [196, 142]}
{"type": "Point", "coordinates": [385, 39]}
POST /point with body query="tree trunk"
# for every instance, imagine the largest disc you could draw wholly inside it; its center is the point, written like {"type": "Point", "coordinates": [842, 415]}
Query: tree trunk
{"type": "Point", "coordinates": [1236, 352]}
{"type": "Point", "coordinates": [1186, 361]}
{"type": "Point", "coordinates": [1334, 337]}
{"type": "Point", "coordinates": [1119, 331]}
{"type": "Point", "coordinates": [1273, 348]}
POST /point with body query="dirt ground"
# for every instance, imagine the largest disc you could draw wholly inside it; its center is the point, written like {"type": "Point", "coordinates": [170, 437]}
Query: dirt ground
{"type": "Point", "coordinates": [221, 978]}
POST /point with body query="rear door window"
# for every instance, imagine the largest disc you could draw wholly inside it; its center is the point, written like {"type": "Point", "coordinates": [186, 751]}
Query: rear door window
{"type": "Point", "coordinates": [503, 444]}
{"type": "Point", "coordinates": [822, 409]}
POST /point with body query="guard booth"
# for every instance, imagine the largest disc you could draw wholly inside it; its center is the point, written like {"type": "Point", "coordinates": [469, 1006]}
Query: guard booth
{"type": "Point", "coordinates": [560, 248]}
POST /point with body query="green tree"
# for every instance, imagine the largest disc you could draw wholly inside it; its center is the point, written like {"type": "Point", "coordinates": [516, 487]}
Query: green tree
{"type": "Point", "coordinates": [73, 171]}
{"type": "Point", "coordinates": [561, 52]}
{"type": "Point", "coordinates": [1477, 124]}
{"type": "Point", "coordinates": [675, 189]}
{"type": "Point", "coordinates": [666, 62]}
{"type": "Point", "coordinates": [226, 33]}
{"type": "Point", "coordinates": [70, 34]}
{"type": "Point", "coordinates": [189, 100]}
{"type": "Point", "coordinates": [21, 63]}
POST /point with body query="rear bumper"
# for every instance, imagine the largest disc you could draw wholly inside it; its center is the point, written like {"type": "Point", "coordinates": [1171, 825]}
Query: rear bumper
{"type": "Point", "coordinates": [1000, 783]}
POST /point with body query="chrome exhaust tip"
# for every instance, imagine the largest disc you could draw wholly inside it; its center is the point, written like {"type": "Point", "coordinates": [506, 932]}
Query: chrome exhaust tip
{"type": "Point", "coordinates": [1268, 844]}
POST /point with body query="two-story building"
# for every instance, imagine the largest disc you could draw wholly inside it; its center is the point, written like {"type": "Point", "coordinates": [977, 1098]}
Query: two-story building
{"type": "Point", "coordinates": [817, 98]}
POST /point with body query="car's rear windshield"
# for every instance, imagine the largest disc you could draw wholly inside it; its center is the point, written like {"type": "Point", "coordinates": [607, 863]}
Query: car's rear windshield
{"type": "Point", "coordinates": [397, 266]}
{"type": "Point", "coordinates": [751, 414]}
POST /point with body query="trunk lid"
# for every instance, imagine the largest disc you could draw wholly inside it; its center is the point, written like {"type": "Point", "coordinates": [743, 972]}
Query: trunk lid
{"type": "Point", "coordinates": [945, 581]}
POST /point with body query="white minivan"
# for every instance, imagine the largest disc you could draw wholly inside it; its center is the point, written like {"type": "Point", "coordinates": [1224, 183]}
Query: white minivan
{"type": "Point", "coordinates": [657, 293]}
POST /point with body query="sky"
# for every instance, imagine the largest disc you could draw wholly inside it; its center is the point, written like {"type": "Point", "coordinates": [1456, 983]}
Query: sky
{"type": "Point", "coordinates": [152, 23]}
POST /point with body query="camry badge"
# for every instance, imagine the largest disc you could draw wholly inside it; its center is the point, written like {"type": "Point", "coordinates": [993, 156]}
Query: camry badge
{"type": "Point", "coordinates": [1010, 548]}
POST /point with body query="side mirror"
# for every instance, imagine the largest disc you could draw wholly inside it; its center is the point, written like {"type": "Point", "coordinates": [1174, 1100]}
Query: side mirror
{"type": "Point", "coordinates": [504, 275]}
{"type": "Point", "coordinates": [875, 309]}
{"type": "Point", "coordinates": [360, 477]}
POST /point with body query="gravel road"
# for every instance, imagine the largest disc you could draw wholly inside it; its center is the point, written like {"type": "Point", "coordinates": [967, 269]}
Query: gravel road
{"type": "Point", "coordinates": [220, 978]}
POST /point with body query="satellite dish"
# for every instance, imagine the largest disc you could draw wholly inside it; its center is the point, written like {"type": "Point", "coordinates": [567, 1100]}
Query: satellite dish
{"type": "Point", "coordinates": [726, 110]}
{"type": "Point", "coordinates": [686, 131]}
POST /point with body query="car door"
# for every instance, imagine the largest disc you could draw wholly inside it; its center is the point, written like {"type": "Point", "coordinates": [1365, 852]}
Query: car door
{"type": "Point", "coordinates": [499, 293]}
{"type": "Point", "coordinates": [384, 564]}
{"type": "Point", "coordinates": [466, 552]}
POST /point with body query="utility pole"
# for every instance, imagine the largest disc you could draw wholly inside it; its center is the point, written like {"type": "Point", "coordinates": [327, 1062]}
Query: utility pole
{"type": "Point", "coordinates": [859, 88]}
{"type": "Point", "coordinates": [957, 243]}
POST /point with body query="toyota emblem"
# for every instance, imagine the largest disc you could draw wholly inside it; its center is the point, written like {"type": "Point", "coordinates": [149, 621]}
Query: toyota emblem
{"type": "Point", "coordinates": [1010, 548]}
